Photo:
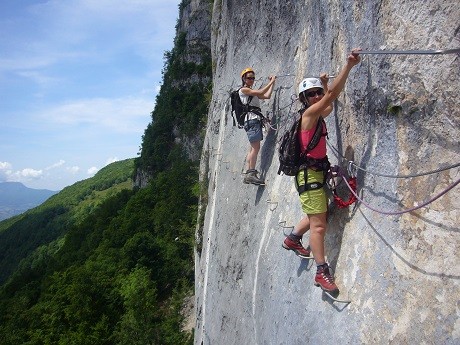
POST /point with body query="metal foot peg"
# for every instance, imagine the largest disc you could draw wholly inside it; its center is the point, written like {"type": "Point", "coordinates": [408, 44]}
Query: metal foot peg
{"type": "Point", "coordinates": [336, 299]}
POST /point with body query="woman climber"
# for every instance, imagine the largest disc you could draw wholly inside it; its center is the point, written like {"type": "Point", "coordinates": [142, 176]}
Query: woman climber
{"type": "Point", "coordinates": [253, 122]}
{"type": "Point", "coordinates": [317, 100]}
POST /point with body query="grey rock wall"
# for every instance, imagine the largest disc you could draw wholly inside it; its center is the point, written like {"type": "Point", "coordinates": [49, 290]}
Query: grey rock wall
{"type": "Point", "coordinates": [398, 115]}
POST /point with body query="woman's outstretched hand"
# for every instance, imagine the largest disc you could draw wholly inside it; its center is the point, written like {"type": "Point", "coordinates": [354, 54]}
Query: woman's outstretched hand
{"type": "Point", "coordinates": [354, 57]}
{"type": "Point", "coordinates": [324, 77]}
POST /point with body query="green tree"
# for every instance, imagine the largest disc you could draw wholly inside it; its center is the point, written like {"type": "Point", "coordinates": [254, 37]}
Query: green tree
{"type": "Point", "coordinates": [139, 322]}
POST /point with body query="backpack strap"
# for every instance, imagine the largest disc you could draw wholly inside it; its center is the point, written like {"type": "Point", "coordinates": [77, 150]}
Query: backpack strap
{"type": "Point", "coordinates": [232, 110]}
{"type": "Point", "coordinates": [320, 164]}
{"type": "Point", "coordinates": [248, 107]}
{"type": "Point", "coordinates": [315, 138]}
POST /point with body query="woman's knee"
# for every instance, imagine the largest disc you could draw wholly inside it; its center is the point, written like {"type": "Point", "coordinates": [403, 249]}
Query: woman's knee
{"type": "Point", "coordinates": [318, 224]}
{"type": "Point", "coordinates": [318, 229]}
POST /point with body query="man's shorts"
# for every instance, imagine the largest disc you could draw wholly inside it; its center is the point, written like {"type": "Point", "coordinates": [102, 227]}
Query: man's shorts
{"type": "Point", "coordinates": [313, 201]}
{"type": "Point", "coordinates": [253, 129]}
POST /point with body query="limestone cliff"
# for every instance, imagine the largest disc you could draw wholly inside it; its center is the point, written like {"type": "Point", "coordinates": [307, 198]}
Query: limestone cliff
{"type": "Point", "coordinates": [398, 115]}
{"type": "Point", "coordinates": [181, 104]}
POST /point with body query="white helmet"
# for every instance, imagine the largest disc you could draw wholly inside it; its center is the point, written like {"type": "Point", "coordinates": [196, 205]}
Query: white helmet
{"type": "Point", "coordinates": [309, 83]}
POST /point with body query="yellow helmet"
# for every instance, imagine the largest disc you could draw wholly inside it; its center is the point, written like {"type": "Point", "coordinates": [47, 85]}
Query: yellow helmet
{"type": "Point", "coordinates": [247, 70]}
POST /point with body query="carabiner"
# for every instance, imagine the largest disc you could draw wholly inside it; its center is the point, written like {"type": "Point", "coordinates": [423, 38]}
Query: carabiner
{"type": "Point", "coordinates": [351, 169]}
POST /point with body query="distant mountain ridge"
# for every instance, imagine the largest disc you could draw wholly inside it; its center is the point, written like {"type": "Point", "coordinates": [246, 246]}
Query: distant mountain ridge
{"type": "Point", "coordinates": [15, 198]}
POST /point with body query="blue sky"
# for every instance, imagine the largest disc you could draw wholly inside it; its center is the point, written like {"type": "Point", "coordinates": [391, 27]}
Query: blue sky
{"type": "Point", "coordinates": [78, 80]}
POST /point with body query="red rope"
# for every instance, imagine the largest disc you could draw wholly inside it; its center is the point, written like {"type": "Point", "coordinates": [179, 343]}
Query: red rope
{"type": "Point", "coordinates": [340, 202]}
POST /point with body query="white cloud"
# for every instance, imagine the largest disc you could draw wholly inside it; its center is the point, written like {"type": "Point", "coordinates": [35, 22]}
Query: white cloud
{"type": "Point", "coordinates": [111, 160]}
{"type": "Point", "coordinates": [5, 171]}
{"type": "Point", "coordinates": [5, 166]}
{"type": "Point", "coordinates": [56, 165]}
{"type": "Point", "coordinates": [27, 174]}
{"type": "Point", "coordinates": [92, 170]}
{"type": "Point", "coordinates": [32, 173]}
{"type": "Point", "coordinates": [74, 169]}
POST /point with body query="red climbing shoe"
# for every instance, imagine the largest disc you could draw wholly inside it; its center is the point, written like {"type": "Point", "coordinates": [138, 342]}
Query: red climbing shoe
{"type": "Point", "coordinates": [297, 247]}
{"type": "Point", "coordinates": [325, 281]}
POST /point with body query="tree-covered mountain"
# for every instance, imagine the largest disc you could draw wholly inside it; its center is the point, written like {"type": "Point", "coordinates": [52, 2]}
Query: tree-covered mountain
{"type": "Point", "coordinates": [103, 262]}
{"type": "Point", "coordinates": [20, 236]}
{"type": "Point", "coordinates": [16, 198]}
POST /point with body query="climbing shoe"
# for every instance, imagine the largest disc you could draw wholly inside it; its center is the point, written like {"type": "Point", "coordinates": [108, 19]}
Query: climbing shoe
{"type": "Point", "coordinates": [296, 246]}
{"type": "Point", "coordinates": [325, 280]}
{"type": "Point", "coordinates": [251, 177]}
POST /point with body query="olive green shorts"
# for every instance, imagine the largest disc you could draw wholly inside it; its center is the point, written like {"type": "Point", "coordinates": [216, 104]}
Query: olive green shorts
{"type": "Point", "coordinates": [313, 201]}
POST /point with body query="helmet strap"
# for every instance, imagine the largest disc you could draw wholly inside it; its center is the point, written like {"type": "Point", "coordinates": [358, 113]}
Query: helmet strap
{"type": "Point", "coordinates": [304, 100]}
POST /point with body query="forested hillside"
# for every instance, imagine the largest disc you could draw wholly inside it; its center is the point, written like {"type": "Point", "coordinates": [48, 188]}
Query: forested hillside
{"type": "Point", "coordinates": [103, 262]}
{"type": "Point", "coordinates": [21, 235]}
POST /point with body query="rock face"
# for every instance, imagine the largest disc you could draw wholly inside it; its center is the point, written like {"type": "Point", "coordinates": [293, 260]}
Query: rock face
{"type": "Point", "coordinates": [398, 115]}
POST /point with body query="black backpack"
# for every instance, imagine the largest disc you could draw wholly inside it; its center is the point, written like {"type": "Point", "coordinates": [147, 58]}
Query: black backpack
{"type": "Point", "coordinates": [239, 110]}
{"type": "Point", "coordinates": [290, 157]}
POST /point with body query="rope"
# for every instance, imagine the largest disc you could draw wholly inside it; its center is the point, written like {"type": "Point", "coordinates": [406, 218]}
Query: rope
{"type": "Point", "coordinates": [443, 168]}
{"type": "Point", "coordinates": [340, 202]}
{"type": "Point", "coordinates": [352, 187]}
{"type": "Point", "coordinates": [403, 211]}
{"type": "Point", "coordinates": [410, 175]}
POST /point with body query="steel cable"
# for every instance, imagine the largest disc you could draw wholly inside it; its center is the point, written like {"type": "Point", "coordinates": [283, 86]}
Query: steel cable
{"type": "Point", "coordinates": [403, 211]}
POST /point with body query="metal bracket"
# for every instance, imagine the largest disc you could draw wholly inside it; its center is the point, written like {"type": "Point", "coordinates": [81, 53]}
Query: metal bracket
{"type": "Point", "coordinates": [274, 203]}
{"type": "Point", "coordinates": [285, 227]}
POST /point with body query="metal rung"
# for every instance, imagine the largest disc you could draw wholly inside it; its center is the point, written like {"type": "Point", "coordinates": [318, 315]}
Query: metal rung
{"type": "Point", "coordinates": [336, 299]}
{"type": "Point", "coordinates": [283, 223]}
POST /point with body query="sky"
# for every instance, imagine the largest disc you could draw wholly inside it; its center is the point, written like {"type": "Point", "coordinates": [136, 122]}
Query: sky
{"type": "Point", "coordinates": [78, 81]}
